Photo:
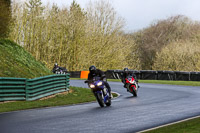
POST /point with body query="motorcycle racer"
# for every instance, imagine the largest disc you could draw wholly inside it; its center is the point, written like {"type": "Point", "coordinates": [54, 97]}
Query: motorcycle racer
{"type": "Point", "coordinates": [57, 68]}
{"type": "Point", "coordinates": [94, 72]}
{"type": "Point", "coordinates": [126, 73]}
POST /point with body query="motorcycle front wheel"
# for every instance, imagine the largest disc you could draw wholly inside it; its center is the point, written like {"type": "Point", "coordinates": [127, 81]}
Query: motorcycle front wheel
{"type": "Point", "coordinates": [100, 99]}
{"type": "Point", "coordinates": [109, 102]}
{"type": "Point", "coordinates": [134, 92]}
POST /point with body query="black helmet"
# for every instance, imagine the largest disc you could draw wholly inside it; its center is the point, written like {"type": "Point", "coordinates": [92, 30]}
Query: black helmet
{"type": "Point", "coordinates": [126, 70]}
{"type": "Point", "coordinates": [56, 64]}
{"type": "Point", "coordinates": [92, 69]}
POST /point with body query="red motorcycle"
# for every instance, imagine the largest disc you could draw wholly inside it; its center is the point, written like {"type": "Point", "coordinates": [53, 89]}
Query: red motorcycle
{"type": "Point", "coordinates": [132, 85]}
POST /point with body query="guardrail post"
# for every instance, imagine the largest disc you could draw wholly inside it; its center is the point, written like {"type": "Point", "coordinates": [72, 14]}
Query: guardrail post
{"type": "Point", "coordinates": [26, 90]}
{"type": "Point", "coordinates": [67, 82]}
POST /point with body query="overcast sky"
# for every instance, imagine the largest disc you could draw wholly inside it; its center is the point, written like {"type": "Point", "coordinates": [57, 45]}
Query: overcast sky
{"type": "Point", "coordinates": [139, 14]}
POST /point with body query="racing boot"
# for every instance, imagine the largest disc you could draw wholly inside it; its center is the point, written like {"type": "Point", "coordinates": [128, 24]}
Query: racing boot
{"type": "Point", "coordinates": [110, 95]}
{"type": "Point", "coordinates": [124, 85]}
{"type": "Point", "coordinates": [137, 84]}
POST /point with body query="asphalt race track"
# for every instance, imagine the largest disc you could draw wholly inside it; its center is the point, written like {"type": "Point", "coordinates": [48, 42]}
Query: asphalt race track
{"type": "Point", "coordinates": [155, 105]}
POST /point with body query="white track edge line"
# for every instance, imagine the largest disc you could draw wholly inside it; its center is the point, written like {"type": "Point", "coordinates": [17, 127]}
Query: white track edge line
{"type": "Point", "coordinates": [168, 124]}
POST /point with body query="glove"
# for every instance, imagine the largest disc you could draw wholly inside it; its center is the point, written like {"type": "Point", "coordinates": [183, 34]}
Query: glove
{"type": "Point", "coordinates": [104, 79]}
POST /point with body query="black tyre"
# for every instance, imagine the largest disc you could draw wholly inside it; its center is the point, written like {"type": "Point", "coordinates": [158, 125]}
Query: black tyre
{"type": "Point", "coordinates": [134, 92]}
{"type": "Point", "coordinates": [100, 99]}
{"type": "Point", "coordinates": [108, 103]}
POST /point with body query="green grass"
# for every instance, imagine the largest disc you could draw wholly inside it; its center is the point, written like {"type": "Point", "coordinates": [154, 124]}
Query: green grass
{"type": "Point", "coordinates": [16, 62]}
{"type": "Point", "coordinates": [190, 126]}
{"type": "Point", "coordinates": [185, 83]}
{"type": "Point", "coordinates": [79, 95]}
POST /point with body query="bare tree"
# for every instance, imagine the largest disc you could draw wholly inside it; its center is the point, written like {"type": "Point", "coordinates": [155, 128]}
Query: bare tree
{"type": "Point", "coordinates": [5, 17]}
{"type": "Point", "coordinates": [73, 37]}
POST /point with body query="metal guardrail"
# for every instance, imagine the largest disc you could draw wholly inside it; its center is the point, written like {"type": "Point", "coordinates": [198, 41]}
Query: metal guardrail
{"type": "Point", "coordinates": [44, 86]}
{"type": "Point", "coordinates": [157, 75]}
{"type": "Point", "coordinates": [12, 89]}
{"type": "Point", "coordinates": [150, 75]}
{"type": "Point", "coordinates": [32, 89]}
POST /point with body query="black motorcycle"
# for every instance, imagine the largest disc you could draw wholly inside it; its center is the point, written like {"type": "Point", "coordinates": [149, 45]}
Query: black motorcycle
{"type": "Point", "coordinates": [60, 70]}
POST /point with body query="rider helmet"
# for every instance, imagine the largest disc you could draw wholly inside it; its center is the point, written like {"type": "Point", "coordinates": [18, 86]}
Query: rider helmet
{"type": "Point", "coordinates": [56, 64]}
{"type": "Point", "coordinates": [92, 69]}
{"type": "Point", "coordinates": [125, 69]}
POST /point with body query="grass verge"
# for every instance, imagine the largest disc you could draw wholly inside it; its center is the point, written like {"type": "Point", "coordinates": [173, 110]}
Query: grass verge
{"type": "Point", "coordinates": [17, 62]}
{"type": "Point", "coordinates": [189, 126]}
{"type": "Point", "coordinates": [78, 95]}
{"type": "Point", "coordinates": [185, 83]}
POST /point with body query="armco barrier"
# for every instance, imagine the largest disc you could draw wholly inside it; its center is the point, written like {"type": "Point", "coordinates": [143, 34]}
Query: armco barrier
{"type": "Point", "coordinates": [157, 75]}
{"type": "Point", "coordinates": [12, 89]}
{"type": "Point", "coordinates": [195, 76]}
{"type": "Point", "coordinates": [150, 75]}
{"type": "Point", "coordinates": [165, 75]}
{"type": "Point", "coordinates": [45, 86]}
{"type": "Point", "coordinates": [32, 89]}
{"type": "Point", "coordinates": [75, 74]}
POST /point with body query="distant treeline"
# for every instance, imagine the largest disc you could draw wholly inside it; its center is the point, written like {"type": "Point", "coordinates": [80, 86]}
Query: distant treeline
{"type": "Point", "coordinates": [77, 38]}
{"type": "Point", "coordinates": [171, 44]}
{"type": "Point", "coordinates": [73, 37]}
{"type": "Point", "coordinates": [5, 17]}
